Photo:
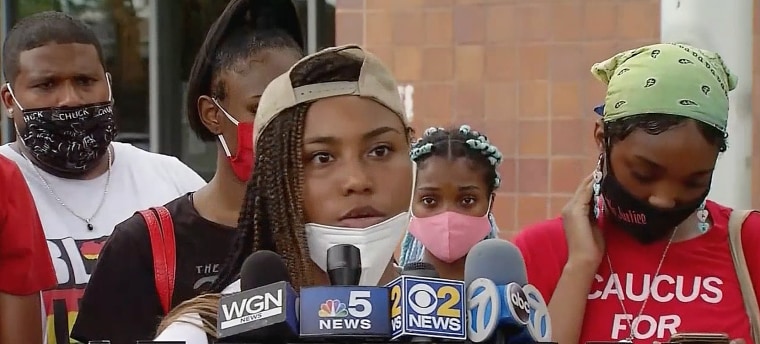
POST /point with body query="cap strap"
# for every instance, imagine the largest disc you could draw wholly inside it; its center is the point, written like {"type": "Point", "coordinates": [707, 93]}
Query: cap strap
{"type": "Point", "coordinates": [324, 90]}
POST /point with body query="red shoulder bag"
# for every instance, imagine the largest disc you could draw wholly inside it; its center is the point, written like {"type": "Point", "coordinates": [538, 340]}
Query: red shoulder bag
{"type": "Point", "coordinates": [163, 247]}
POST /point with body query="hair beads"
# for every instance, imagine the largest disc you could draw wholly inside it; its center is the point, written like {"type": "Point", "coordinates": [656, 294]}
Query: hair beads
{"type": "Point", "coordinates": [457, 143]}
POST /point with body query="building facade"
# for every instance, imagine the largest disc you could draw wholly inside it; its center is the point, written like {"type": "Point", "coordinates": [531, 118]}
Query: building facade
{"type": "Point", "coordinates": [518, 70]}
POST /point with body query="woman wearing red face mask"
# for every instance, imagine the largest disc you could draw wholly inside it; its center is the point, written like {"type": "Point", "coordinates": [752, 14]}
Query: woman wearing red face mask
{"type": "Point", "coordinates": [451, 209]}
{"type": "Point", "coordinates": [247, 47]}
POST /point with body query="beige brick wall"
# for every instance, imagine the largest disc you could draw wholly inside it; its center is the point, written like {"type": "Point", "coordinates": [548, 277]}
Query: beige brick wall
{"type": "Point", "coordinates": [519, 70]}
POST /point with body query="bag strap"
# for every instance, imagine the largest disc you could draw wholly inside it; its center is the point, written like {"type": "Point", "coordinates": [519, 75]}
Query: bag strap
{"type": "Point", "coordinates": [735, 224]}
{"type": "Point", "coordinates": [163, 248]}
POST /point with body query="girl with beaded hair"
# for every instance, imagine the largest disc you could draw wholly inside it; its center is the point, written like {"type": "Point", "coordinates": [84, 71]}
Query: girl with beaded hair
{"type": "Point", "coordinates": [451, 208]}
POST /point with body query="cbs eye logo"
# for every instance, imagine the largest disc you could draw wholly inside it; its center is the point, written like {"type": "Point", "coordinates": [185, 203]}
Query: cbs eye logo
{"type": "Point", "coordinates": [423, 300]}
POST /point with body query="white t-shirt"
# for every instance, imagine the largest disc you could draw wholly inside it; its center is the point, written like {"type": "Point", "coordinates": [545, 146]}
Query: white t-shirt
{"type": "Point", "coordinates": [139, 180]}
{"type": "Point", "coordinates": [188, 328]}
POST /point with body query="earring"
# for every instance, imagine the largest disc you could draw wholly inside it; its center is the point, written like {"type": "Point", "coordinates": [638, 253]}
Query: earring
{"type": "Point", "coordinates": [702, 214]}
{"type": "Point", "coordinates": [597, 186]}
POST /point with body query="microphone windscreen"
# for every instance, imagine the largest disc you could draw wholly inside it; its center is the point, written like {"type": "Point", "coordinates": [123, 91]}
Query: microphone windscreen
{"type": "Point", "coordinates": [497, 260]}
{"type": "Point", "coordinates": [420, 269]}
{"type": "Point", "coordinates": [262, 268]}
{"type": "Point", "coordinates": [344, 256]}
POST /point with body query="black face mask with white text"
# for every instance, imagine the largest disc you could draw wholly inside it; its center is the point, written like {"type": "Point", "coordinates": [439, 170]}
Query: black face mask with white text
{"type": "Point", "coordinates": [70, 140]}
{"type": "Point", "coordinates": [644, 222]}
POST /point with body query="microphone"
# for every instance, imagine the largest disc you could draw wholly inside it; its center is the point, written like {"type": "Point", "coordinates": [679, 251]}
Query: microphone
{"type": "Point", "coordinates": [265, 309]}
{"type": "Point", "coordinates": [424, 306]}
{"type": "Point", "coordinates": [344, 265]}
{"type": "Point", "coordinates": [498, 307]}
{"type": "Point", "coordinates": [344, 309]}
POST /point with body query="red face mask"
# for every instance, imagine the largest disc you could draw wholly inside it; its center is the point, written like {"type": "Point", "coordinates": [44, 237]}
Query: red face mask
{"type": "Point", "coordinates": [242, 161]}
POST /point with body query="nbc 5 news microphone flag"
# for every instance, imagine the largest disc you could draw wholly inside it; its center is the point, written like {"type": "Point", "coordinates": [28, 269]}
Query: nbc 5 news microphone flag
{"type": "Point", "coordinates": [345, 311]}
{"type": "Point", "coordinates": [427, 307]}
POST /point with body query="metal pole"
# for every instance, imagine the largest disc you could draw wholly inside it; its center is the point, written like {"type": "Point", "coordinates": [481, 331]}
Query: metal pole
{"type": "Point", "coordinates": [724, 27]}
{"type": "Point", "coordinates": [311, 26]}
{"type": "Point", "coordinates": [8, 8]}
{"type": "Point", "coordinates": [153, 77]}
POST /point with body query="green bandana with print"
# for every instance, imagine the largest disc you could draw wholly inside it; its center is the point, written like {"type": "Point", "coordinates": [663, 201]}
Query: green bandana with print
{"type": "Point", "coordinates": [668, 78]}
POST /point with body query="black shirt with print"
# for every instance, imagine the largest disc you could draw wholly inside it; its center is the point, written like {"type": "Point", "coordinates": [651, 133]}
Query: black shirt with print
{"type": "Point", "coordinates": [121, 303]}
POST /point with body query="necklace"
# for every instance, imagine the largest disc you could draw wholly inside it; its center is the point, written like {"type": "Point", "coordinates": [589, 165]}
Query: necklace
{"type": "Point", "coordinates": [630, 337]}
{"type": "Point", "coordinates": [87, 220]}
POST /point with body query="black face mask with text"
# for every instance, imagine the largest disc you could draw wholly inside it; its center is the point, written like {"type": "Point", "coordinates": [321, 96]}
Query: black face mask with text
{"type": "Point", "coordinates": [644, 222]}
{"type": "Point", "coordinates": [69, 140]}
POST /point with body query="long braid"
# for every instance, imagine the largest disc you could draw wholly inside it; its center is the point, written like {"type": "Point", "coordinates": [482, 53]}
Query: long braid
{"type": "Point", "coordinates": [451, 144]}
{"type": "Point", "coordinates": [301, 258]}
{"type": "Point", "coordinates": [272, 206]}
{"type": "Point", "coordinates": [285, 208]}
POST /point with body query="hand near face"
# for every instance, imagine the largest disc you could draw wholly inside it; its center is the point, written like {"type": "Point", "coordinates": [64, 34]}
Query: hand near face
{"type": "Point", "coordinates": [585, 242]}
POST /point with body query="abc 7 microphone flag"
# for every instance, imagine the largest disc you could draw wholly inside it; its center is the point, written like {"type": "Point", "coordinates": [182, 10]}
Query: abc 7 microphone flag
{"type": "Point", "coordinates": [491, 306]}
{"type": "Point", "coordinates": [427, 307]}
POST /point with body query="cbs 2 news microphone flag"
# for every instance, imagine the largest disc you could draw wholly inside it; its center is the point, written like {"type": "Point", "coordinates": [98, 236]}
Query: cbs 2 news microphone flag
{"type": "Point", "coordinates": [410, 308]}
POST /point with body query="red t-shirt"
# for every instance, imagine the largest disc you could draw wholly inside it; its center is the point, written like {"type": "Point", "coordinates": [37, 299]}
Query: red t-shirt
{"type": "Point", "coordinates": [697, 289]}
{"type": "Point", "coordinates": [25, 264]}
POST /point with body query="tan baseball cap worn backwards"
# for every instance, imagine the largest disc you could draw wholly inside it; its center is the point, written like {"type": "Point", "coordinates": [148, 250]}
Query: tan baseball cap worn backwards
{"type": "Point", "coordinates": [375, 82]}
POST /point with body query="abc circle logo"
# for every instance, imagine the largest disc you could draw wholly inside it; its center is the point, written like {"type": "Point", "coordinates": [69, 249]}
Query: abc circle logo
{"type": "Point", "coordinates": [423, 300]}
{"type": "Point", "coordinates": [518, 302]}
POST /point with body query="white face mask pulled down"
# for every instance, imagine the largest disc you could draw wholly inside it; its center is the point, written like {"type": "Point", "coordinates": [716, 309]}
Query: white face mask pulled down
{"type": "Point", "coordinates": [376, 243]}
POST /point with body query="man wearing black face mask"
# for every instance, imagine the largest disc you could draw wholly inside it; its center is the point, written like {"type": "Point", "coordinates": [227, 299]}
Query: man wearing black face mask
{"type": "Point", "coordinates": [59, 97]}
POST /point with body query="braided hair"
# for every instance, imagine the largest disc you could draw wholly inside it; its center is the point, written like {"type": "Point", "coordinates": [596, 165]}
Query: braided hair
{"type": "Point", "coordinates": [452, 144]}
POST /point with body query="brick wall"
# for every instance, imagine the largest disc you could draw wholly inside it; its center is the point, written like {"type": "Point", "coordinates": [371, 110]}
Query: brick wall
{"type": "Point", "coordinates": [518, 70]}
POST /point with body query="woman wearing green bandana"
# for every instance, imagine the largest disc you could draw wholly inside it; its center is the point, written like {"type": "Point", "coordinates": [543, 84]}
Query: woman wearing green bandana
{"type": "Point", "coordinates": [638, 254]}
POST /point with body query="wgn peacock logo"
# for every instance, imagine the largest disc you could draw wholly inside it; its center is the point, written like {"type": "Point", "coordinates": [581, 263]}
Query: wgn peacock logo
{"type": "Point", "coordinates": [333, 309]}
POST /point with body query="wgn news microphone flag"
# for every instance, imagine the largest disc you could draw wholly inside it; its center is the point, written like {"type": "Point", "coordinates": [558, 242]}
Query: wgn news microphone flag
{"type": "Point", "coordinates": [257, 308]}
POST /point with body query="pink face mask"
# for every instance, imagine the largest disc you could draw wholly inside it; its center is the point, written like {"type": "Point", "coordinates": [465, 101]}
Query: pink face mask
{"type": "Point", "coordinates": [449, 235]}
